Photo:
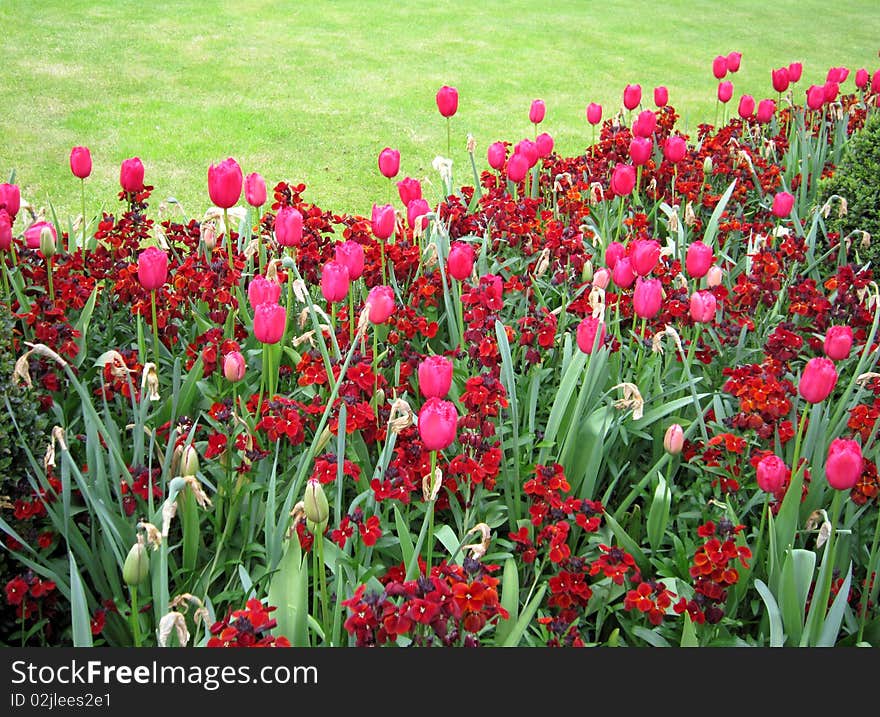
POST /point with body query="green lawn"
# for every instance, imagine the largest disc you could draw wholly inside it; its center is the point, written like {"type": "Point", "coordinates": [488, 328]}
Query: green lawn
{"type": "Point", "coordinates": [312, 91]}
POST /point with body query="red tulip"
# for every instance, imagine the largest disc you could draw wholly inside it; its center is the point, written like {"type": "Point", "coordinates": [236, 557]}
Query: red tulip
{"type": "Point", "coordinates": [783, 202]}
{"type": "Point", "coordinates": [587, 332]}
{"type": "Point", "coordinates": [719, 66]}
{"type": "Point", "coordinates": [772, 473]}
{"type": "Point", "coordinates": [269, 322]}
{"type": "Point", "coordinates": [623, 275]}
{"type": "Point", "coordinates": [255, 189]}
{"type": "Point", "coordinates": [766, 110]}
{"type": "Point", "coordinates": [640, 149]}
{"type": "Point", "coordinates": [381, 301]}
{"type": "Point", "coordinates": [733, 61]}
{"type": "Point", "coordinates": [409, 189]}
{"type": "Point", "coordinates": [10, 199]}
{"type": "Point", "coordinates": [844, 464]}
{"type": "Point", "coordinates": [131, 175]}
{"type": "Point", "coordinates": [795, 69]}
{"type": "Point", "coordinates": [673, 439]}
{"type": "Point", "coordinates": [632, 96]}
{"type": "Point", "coordinates": [594, 113]}
{"type": "Point", "coordinates": [438, 421]}
{"type": "Point", "coordinates": [675, 148]}
{"type": "Point", "coordinates": [33, 233]}
{"type": "Point", "coordinates": [234, 366]}
{"type": "Point", "coordinates": [780, 79]}
{"type": "Point", "coordinates": [647, 297]}
{"type": "Point", "coordinates": [384, 219]}
{"type": "Point", "coordinates": [517, 167]}
{"type": "Point", "coordinates": [416, 211]}
{"type": "Point", "coordinates": [529, 150]}
{"type": "Point", "coordinates": [702, 307]}
{"type": "Point", "coordinates": [818, 380]}
{"type": "Point", "coordinates": [389, 162]}
{"type": "Point", "coordinates": [644, 255]}
{"type": "Point", "coordinates": [152, 268]}
{"type": "Point", "coordinates": [698, 259]}
{"type": "Point", "coordinates": [80, 162]}
{"type": "Point", "coordinates": [288, 227]}
{"type": "Point", "coordinates": [815, 96]}
{"type": "Point", "coordinates": [613, 253]}
{"type": "Point", "coordinates": [496, 155]}
{"type": "Point", "coordinates": [224, 183]}
{"type": "Point", "coordinates": [263, 291]}
{"type": "Point", "coordinates": [838, 342]}
{"type": "Point", "coordinates": [862, 78]}
{"type": "Point", "coordinates": [537, 111]}
{"type": "Point", "coordinates": [334, 281]}
{"type": "Point", "coordinates": [447, 100]}
{"type": "Point", "coordinates": [645, 124]}
{"type": "Point", "coordinates": [351, 255]}
{"type": "Point", "coordinates": [460, 262]}
{"type": "Point", "coordinates": [725, 91]}
{"type": "Point", "coordinates": [435, 376]}
{"type": "Point", "coordinates": [5, 231]}
{"type": "Point", "coordinates": [661, 96]}
{"type": "Point", "coordinates": [544, 143]}
{"type": "Point", "coordinates": [601, 278]}
{"type": "Point", "coordinates": [746, 106]}
{"type": "Point", "coordinates": [623, 179]}
{"type": "Point", "coordinates": [830, 89]}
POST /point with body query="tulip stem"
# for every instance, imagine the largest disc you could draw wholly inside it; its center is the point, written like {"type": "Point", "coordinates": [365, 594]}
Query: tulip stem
{"type": "Point", "coordinates": [350, 315]}
{"type": "Point", "coordinates": [869, 580]}
{"type": "Point", "coordinates": [228, 238]}
{"type": "Point", "coordinates": [429, 554]}
{"type": "Point", "coordinates": [322, 578]}
{"type": "Point", "coordinates": [449, 137]}
{"type": "Point", "coordinates": [49, 277]}
{"type": "Point", "coordinates": [82, 184]}
{"type": "Point", "coordinates": [135, 622]}
{"type": "Point", "coordinates": [6, 288]}
{"type": "Point", "coordinates": [382, 250]}
{"type": "Point", "coordinates": [155, 328]}
{"type": "Point", "coordinates": [797, 446]}
{"type": "Point", "coordinates": [460, 308]}
{"type": "Point", "coordinates": [263, 370]}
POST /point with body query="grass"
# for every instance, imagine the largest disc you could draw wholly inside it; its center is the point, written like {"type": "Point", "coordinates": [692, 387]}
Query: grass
{"type": "Point", "coordinates": [311, 92]}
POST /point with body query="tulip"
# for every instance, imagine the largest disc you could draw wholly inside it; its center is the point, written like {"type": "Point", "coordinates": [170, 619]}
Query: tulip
{"type": "Point", "coordinates": [460, 262]}
{"type": "Point", "coordinates": [733, 61]}
{"type": "Point", "coordinates": [255, 189]}
{"type": "Point", "coordinates": [415, 210]}
{"type": "Point", "coordinates": [315, 505]}
{"type": "Point", "coordinates": [714, 276]}
{"type": "Point", "coordinates": [837, 74]}
{"type": "Point", "coordinates": [10, 199]}
{"type": "Point", "coordinates": [33, 233]}
{"type": "Point", "coordinates": [640, 149]}
{"type": "Point", "coordinates": [644, 255]}
{"type": "Point", "coordinates": [269, 323]}
{"type": "Point", "coordinates": [517, 167]}
{"type": "Point", "coordinates": [746, 106]}
{"type": "Point", "coordinates": [288, 226]}
{"type": "Point", "coordinates": [862, 78]}
{"type": "Point", "coordinates": [673, 439]}
{"type": "Point", "coordinates": [5, 231]}
{"type": "Point", "coordinates": [496, 155]}
{"type": "Point", "coordinates": [772, 473]}
{"type": "Point", "coordinates": [602, 278]}
{"type": "Point", "coordinates": [80, 162]}
{"type": "Point", "coordinates": [136, 567]}
{"type": "Point", "coordinates": [795, 69]}
{"type": "Point", "coordinates": [702, 307]}
{"type": "Point", "coordinates": [647, 298]}
{"type": "Point", "coordinates": [594, 113]}
{"type": "Point", "coordinates": [838, 342]}
{"type": "Point", "coordinates": [632, 96]}
{"type": "Point", "coordinates": [152, 268]}
{"type": "Point", "coordinates": [844, 464]}
{"type": "Point", "coordinates": [447, 100]}
{"type": "Point", "coordinates": [381, 301]}
{"type": "Point", "coordinates": [587, 332]}
{"type": "Point", "coordinates": [613, 253]}
{"type": "Point", "coordinates": [351, 254]}
{"type": "Point", "coordinates": [48, 245]}
{"type": "Point", "coordinates": [817, 380]}
{"type": "Point", "coordinates": [537, 111]}
{"type": "Point", "coordinates": [529, 150]}
{"type": "Point", "coordinates": [409, 189]}
{"type": "Point", "coordinates": [131, 175]}
{"type": "Point", "coordinates": [234, 366]}
{"type": "Point", "coordinates": [766, 110]}
{"type": "Point", "coordinates": [225, 183]}
{"type": "Point", "coordinates": [783, 202]}
{"type": "Point", "coordinates": [623, 179]}
{"type": "Point", "coordinates": [719, 66]}
{"type": "Point", "coordinates": [815, 96]}
{"type": "Point", "coordinates": [435, 376]}
{"type": "Point", "coordinates": [645, 124]}
{"type": "Point", "coordinates": [830, 90]}
{"type": "Point", "coordinates": [780, 79]}
{"type": "Point", "coordinates": [389, 162]}
{"type": "Point", "coordinates": [544, 143]}
{"type": "Point", "coordinates": [623, 275]}
{"type": "Point", "coordinates": [698, 259]}
{"type": "Point", "coordinates": [334, 281]}
{"type": "Point", "coordinates": [384, 219]}
{"type": "Point", "coordinates": [438, 420]}
{"type": "Point", "coordinates": [674, 149]}
{"type": "Point", "coordinates": [661, 96]}
{"type": "Point", "coordinates": [875, 81]}
{"type": "Point", "coordinates": [725, 91]}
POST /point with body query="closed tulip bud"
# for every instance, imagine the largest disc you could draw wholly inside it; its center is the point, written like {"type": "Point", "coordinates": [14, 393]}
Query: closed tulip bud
{"type": "Point", "coordinates": [234, 366]}
{"type": "Point", "coordinates": [647, 297]}
{"type": "Point", "coordinates": [590, 333]}
{"type": "Point", "coordinates": [614, 252]}
{"type": "Point", "coordinates": [136, 567]}
{"type": "Point", "coordinates": [131, 175]}
{"type": "Point", "coordinates": [152, 268]}
{"type": "Point", "coordinates": [783, 202]}
{"type": "Point", "coordinates": [529, 150]}
{"type": "Point", "coordinates": [830, 90]}
{"type": "Point", "coordinates": [623, 275]}
{"type": "Point", "coordinates": [733, 61]}
{"type": "Point", "coordinates": [262, 291]}
{"type": "Point", "coordinates": [632, 96]}
{"type": "Point", "coordinates": [725, 91]}
{"type": "Point", "coordinates": [81, 162]}
{"type": "Point", "coordinates": [544, 142]}
{"type": "Point", "coordinates": [674, 149]}
{"type": "Point", "coordinates": [640, 149]}
{"type": "Point", "coordinates": [389, 162]}
{"type": "Point", "coordinates": [255, 189]}
{"type": "Point", "coordinates": [315, 504]}
{"type": "Point", "coordinates": [795, 69]}
{"type": "Point", "coordinates": [702, 307]}
{"type": "Point", "coordinates": [460, 262]}
{"type": "Point", "coordinates": [209, 237]}
{"type": "Point", "coordinates": [269, 323]}
{"type": "Point", "coordinates": [837, 74]}
{"type": "Point", "coordinates": [772, 473]}
{"type": "Point", "coordinates": [447, 100]}
{"type": "Point", "coordinates": [416, 211]}
{"type": "Point", "coordinates": [719, 66]}
{"type": "Point", "coordinates": [10, 199]}
{"type": "Point", "coordinates": [645, 124]}
{"type": "Point", "coordinates": [766, 110]}
{"type": "Point", "coordinates": [384, 219]}
{"type": "Point", "coordinates": [746, 107]}
{"type": "Point", "coordinates": [289, 227]}
{"type": "Point", "coordinates": [5, 231]}
{"type": "Point", "coordinates": [698, 259]}
{"type": "Point", "coordinates": [862, 78]}
{"type": "Point", "coordinates": [47, 242]}
{"type": "Point", "coordinates": [714, 276]}
{"type": "Point", "coordinates": [644, 255]}
{"type": "Point", "coordinates": [409, 189]}
{"type": "Point", "coordinates": [673, 439]}
{"type": "Point", "coordinates": [517, 167]}
{"type": "Point", "coordinates": [334, 281]}
{"type": "Point", "coordinates": [844, 464]}
{"type": "Point", "coordinates": [601, 278]}
{"type": "Point", "coordinates": [34, 233]}
{"type": "Point", "coordinates": [189, 461]}
{"type": "Point", "coordinates": [594, 113]}
{"type": "Point", "coordinates": [875, 81]}
{"type": "Point", "coordinates": [438, 421]}
{"type": "Point", "coordinates": [780, 79]}
{"type": "Point", "coordinates": [623, 179]}
{"type": "Point", "coordinates": [381, 301]}
{"type": "Point", "coordinates": [537, 111]}
{"type": "Point", "coordinates": [838, 342]}
{"type": "Point", "coordinates": [661, 96]}
{"type": "Point", "coordinates": [815, 96]}
{"type": "Point", "coordinates": [587, 272]}
{"type": "Point", "coordinates": [707, 166]}
{"type": "Point", "coordinates": [224, 183]}
{"type": "Point", "coordinates": [435, 376]}
{"type": "Point", "coordinates": [351, 255]}
{"type": "Point", "coordinates": [817, 380]}
{"type": "Point", "coordinates": [496, 154]}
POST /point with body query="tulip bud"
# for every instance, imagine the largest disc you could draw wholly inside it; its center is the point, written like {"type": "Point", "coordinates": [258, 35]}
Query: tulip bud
{"type": "Point", "coordinates": [783, 202]}
{"type": "Point", "coordinates": [435, 376]}
{"type": "Point", "coordinates": [719, 66]}
{"type": "Point", "coordinates": [383, 220]}
{"type": "Point", "coordinates": [47, 242]}
{"type": "Point", "coordinates": [766, 110]}
{"type": "Point", "coordinates": [675, 148]}
{"type": "Point", "coordinates": [594, 113]}
{"type": "Point", "coordinates": [189, 461]}
{"type": "Point", "coordinates": [517, 167]}
{"type": "Point", "coordinates": [698, 259]}
{"type": "Point", "coordinates": [587, 272]}
{"type": "Point", "coordinates": [632, 96]}
{"type": "Point", "coordinates": [496, 154]}
{"type": "Point", "coordinates": [707, 166]}
{"type": "Point", "coordinates": [80, 162]}
{"type": "Point", "coordinates": [746, 107]}
{"type": "Point", "coordinates": [10, 199]}
{"type": "Point", "coordinates": [381, 301]}
{"type": "Point", "coordinates": [255, 189]}
{"type": "Point", "coordinates": [795, 69]}
{"type": "Point", "coordinates": [437, 421]}
{"type": "Point", "coordinates": [725, 91]}
{"type": "Point", "coordinates": [131, 175]}
{"type": "Point", "coordinates": [544, 143]}
{"type": "Point", "coordinates": [661, 96]}
{"type": "Point", "coordinates": [780, 79]}
{"type": "Point", "coordinates": [262, 290]}
{"type": "Point", "coordinates": [152, 268]}
{"type": "Point", "coordinates": [529, 150]}
{"type": "Point", "coordinates": [136, 568]}
{"type": "Point", "coordinates": [409, 189]}
{"type": "Point", "coordinates": [288, 226]}
{"type": "Point", "coordinates": [269, 323]}
{"type": "Point", "coordinates": [714, 276]}
{"type": "Point", "coordinates": [225, 183]}
{"type": "Point", "coordinates": [447, 100]}
{"type": "Point", "coordinates": [772, 473]}
{"type": "Point", "coordinates": [862, 78]}
{"type": "Point", "coordinates": [673, 439]}
{"type": "Point", "coordinates": [623, 179]}
{"type": "Point", "coordinates": [614, 252]}
{"type": "Point", "coordinates": [209, 237]}
{"type": "Point", "coordinates": [537, 111]}
{"type": "Point", "coordinates": [234, 366]}
{"type": "Point", "coordinates": [334, 281]}
{"type": "Point", "coordinates": [601, 278]}
{"type": "Point", "coordinates": [5, 231]}
{"type": "Point", "coordinates": [702, 307]}
{"type": "Point", "coordinates": [316, 508]}
{"type": "Point", "coordinates": [416, 211]}
{"type": "Point", "coordinates": [733, 61]}
{"type": "Point", "coordinates": [590, 333]}
{"type": "Point", "coordinates": [645, 124]}
{"type": "Point", "coordinates": [844, 464]}
{"type": "Point", "coordinates": [815, 97]}
{"type": "Point", "coordinates": [389, 162]}
{"type": "Point", "coordinates": [644, 255]}
{"type": "Point", "coordinates": [831, 90]}
{"type": "Point", "coordinates": [460, 262]}
{"type": "Point", "coordinates": [640, 149]}
{"type": "Point", "coordinates": [647, 297]}
{"type": "Point", "coordinates": [817, 380]}
{"type": "Point", "coordinates": [838, 342]}
{"type": "Point", "coordinates": [623, 275]}
{"type": "Point", "coordinates": [351, 254]}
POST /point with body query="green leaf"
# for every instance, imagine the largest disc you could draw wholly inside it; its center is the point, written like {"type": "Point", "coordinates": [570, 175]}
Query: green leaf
{"type": "Point", "coordinates": [450, 541]}
{"type": "Point", "coordinates": [658, 513]}
{"type": "Point", "coordinates": [831, 627]}
{"type": "Point", "coordinates": [712, 226]}
{"type": "Point", "coordinates": [288, 590]}
{"type": "Point", "coordinates": [777, 636]}
{"type": "Point", "coordinates": [689, 633]}
{"type": "Point", "coordinates": [79, 608]}
{"type": "Point", "coordinates": [628, 544]}
{"type": "Point", "coordinates": [509, 600]}
{"type": "Point", "coordinates": [82, 325]}
{"type": "Point", "coordinates": [403, 536]}
{"type": "Point", "coordinates": [797, 577]}
{"type": "Point", "coordinates": [655, 639]}
{"type": "Point", "coordinates": [525, 618]}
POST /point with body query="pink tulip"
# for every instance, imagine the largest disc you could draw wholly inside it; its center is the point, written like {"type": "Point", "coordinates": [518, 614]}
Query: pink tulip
{"type": "Point", "coordinates": [623, 275]}
{"type": "Point", "coordinates": [10, 199]}
{"type": "Point", "coordinates": [496, 154]}
{"type": "Point", "coordinates": [131, 175]}
{"type": "Point", "coordinates": [81, 162]}
{"type": "Point", "coordinates": [613, 253]}
{"type": "Point", "coordinates": [389, 162]}
{"type": "Point", "coordinates": [725, 91]}
{"type": "Point", "coordinates": [815, 96]}
{"type": "Point", "coordinates": [644, 255]}
{"type": "Point", "coordinates": [409, 189]}
{"type": "Point", "coordinates": [447, 101]}
{"type": "Point", "coordinates": [288, 226]}
{"type": "Point", "coordinates": [435, 376]}
{"type": "Point", "coordinates": [862, 78]}
{"type": "Point", "coordinates": [698, 259]}
{"type": "Point", "coordinates": [714, 276]}
{"type": "Point", "coordinates": [334, 281]}
{"type": "Point", "coordinates": [719, 66]}
{"type": "Point", "coordinates": [460, 262]}
{"type": "Point", "coordinates": [746, 106]}
{"type": "Point", "coordinates": [772, 473]}
{"type": "Point", "coordinates": [350, 254]}
{"type": "Point", "coordinates": [438, 421]}
{"type": "Point", "coordinates": [594, 113]}
{"type": "Point", "coordinates": [263, 291]}
{"type": "Point", "coordinates": [384, 219]}
{"type": "Point", "coordinates": [224, 183]}
{"type": "Point", "coordinates": [33, 233]}
{"type": "Point", "coordinates": [381, 301]}
{"type": "Point", "coordinates": [766, 110]}
{"type": "Point", "coordinates": [416, 211]}
{"type": "Point", "coordinates": [674, 149]}
{"type": "Point", "coordinates": [844, 464]}
{"type": "Point", "coordinates": [152, 268]}
{"type": "Point", "coordinates": [537, 111]}
{"type": "Point", "coordinates": [795, 69]}
{"type": "Point", "coordinates": [817, 380]}
{"type": "Point", "coordinates": [623, 179]}
{"type": "Point", "coordinates": [632, 96]}
{"type": "Point", "coordinates": [783, 202]}
{"type": "Point", "coordinates": [517, 167]}
{"type": "Point", "coordinates": [661, 96]}
{"type": "Point", "coordinates": [733, 61]}
{"type": "Point", "coordinates": [234, 366]}
{"type": "Point", "coordinates": [544, 143]}
{"type": "Point", "coordinates": [590, 333]}
{"type": "Point", "coordinates": [640, 149]}
{"type": "Point", "coordinates": [255, 189]}
{"type": "Point", "coordinates": [838, 342]}
{"type": "Point", "coordinates": [830, 90]}
{"type": "Point", "coordinates": [780, 79]}
{"type": "Point", "coordinates": [5, 231]}
{"type": "Point", "coordinates": [529, 150]}
{"type": "Point", "coordinates": [875, 82]}
{"type": "Point", "coordinates": [645, 124]}
{"type": "Point", "coordinates": [837, 74]}
{"type": "Point", "coordinates": [647, 297]}
{"type": "Point", "coordinates": [702, 307]}
{"type": "Point", "coordinates": [673, 439]}
{"type": "Point", "coordinates": [601, 278]}
{"type": "Point", "coordinates": [269, 322]}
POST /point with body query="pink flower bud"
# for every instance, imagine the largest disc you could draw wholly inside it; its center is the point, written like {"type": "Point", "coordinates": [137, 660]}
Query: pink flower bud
{"type": "Point", "coordinates": [384, 219]}
{"type": "Point", "coordinates": [644, 255]}
{"type": "Point", "coordinates": [389, 162]}
{"type": "Point", "coordinates": [602, 278]}
{"type": "Point", "coordinates": [234, 366]}
{"type": "Point", "coordinates": [830, 89]}
{"type": "Point", "coordinates": [438, 421]}
{"type": "Point", "coordinates": [269, 323]}
{"type": "Point", "coordinates": [416, 211]}
{"type": "Point", "coordinates": [632, 96]}
{"type": "Point", "coordinates": [33, 233]}
{"type": "Point", "coordinates": [496, 155]}
{"type": "Point", "coordinates": [594, 113]}
{"type": "Point", "coordinates": [838, 342]}
{"type": "Point", "coordinates": [381, 301]}
{"type": "Point", "coordinates": [702, 307]}
{"type": "Point", "coordinates": [263, 291]}
{"type": "Point", "coordinates": [288, 227]}
{"type": "Point", "coordinates": [640, 149]}
{"type": "Point", "coordinates": [780, 79]}
{"type": "Point", "coordinates": [447, 101]}
{"type": "Point", "coordinates": [772, 473]}
{"type": "Point", "coordinates": [714, 276]}
{"type": "Point", "coordinates": [255, 189]}
{"type": "Point", "coordinates": [351, 255]}
{"type": "Point", "coordinates": [435, 376]}
{"type": "Point", "coordinates": [746, 107]}
{"type": "Point", "coordinates": [673, 439]}
{"type": "Point", "coordinates": [623, 179]}
{"type": "Point", "coordinates": [675, 148]}
{"type": "Point", "coordinates": [817, 380]}
{"type": "Point", "coordinates": [719, 66]}
{"type": "Point", "coordinates": [10, 199]}
{"type": "Point", "coordinates": [725, 91]}
{"type": "Point", "coordinates": [409, 189]}
{"type": "Point", "coordinates": [517, 167]}
{"type": "Point", "coordinates": [766, 110]}
{"type": "Point", "coordinates": [544, 143]}
{"type": "Point", "coordinates": [623, 275]}
{"type": "Point", "coordinates": [795, 69]}
{"type": "Point", "coordinates": [783, 202]}
{"type": "Point", "coordinates": [590, 332]}
{"type": "Point", "coordinates": [224, 183]}
{"type": "Point", "coordinates": [5, 231]}
{"type": "Point", "coordinates": [844, 464]}
{"type": "Point", "coordinates": [131, 175]}
{"type": "Point", "coordinates": [647, 297]}
{"type": "Point", "coordinates": [875, 82]}
{"type": "Point", "coordinates": [80, 162]}
{"type": "Point", "coordinates": [152, 268]}
{"type": "Point", "coordinates": [862, 78]}
{"type": "Point", "coordinates": [661, 96]}
{"type": "Point", "coordinates": [698, 259]}
{"type": "Point", "coordinates": [460, 262]}
{"type": "Point", "coordinates": [537, 111]}
{"type": "Point", "coordinates": [529, 150]}
{"type": "Point", "coordinates": [334, 282]}
{"type": "Point", "coordinates": [837, 74]}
